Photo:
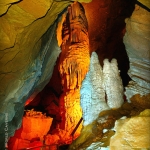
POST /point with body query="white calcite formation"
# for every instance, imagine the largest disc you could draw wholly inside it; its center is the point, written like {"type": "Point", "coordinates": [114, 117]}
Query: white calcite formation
{"type": "Point", "coordinates": [112, 84]}
{"type": "Point", "coordinates": [92, 92]}
{"type": "Point", "coordinates": [96, 84]}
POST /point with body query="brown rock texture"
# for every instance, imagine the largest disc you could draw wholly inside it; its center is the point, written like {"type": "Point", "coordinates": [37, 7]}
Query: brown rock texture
{"type": "Point", "coordinates": [145, 3]}
{"type": "Point", "coordinates": [5, 4]}
{"type": "Point", "coordinates": [141, 101]}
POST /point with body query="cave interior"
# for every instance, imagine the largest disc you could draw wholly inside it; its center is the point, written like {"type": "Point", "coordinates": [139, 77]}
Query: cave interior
{"type": "Point", "coordinates": [75, 75]}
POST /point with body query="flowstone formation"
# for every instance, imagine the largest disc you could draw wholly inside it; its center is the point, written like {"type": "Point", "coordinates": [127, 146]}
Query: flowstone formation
{"type": "Point", "coordinates": [73, 66]}
{"type": "Point", "coordinates": [137, 43]}
{"type": "Point", "coordinates": [101, 90]}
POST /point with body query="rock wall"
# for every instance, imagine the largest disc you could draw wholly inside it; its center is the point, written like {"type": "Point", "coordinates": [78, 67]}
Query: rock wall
{"type": "Point", "coordinates": [136, 40]}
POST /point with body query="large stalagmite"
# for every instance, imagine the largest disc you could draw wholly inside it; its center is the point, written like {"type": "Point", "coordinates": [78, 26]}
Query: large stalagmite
{"type": "Point", "coordinates": [101, 90]}
{"type": "Point", "coordinates": [73, 66]}
{"type": "Point", "coordinates": [74, 63]}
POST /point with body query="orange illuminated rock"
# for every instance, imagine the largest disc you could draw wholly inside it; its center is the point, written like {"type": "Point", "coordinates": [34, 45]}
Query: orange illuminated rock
{"type": "Point", "coordinates": [73, 66]}
{"type": "Point", "coordinates": [34, 125]}
{"type": "Point", "coordinates": [71, 113]}
{"type": "Point", "coordinates": [74, 59]}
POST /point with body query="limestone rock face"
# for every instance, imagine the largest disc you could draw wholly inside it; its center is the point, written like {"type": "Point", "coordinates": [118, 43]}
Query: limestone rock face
{"type": "Point", "coordinates": [5, 4]}
{"type": "Point", "coordinates": [132, 133]}
{"type": "Point", "coordinates": [145, 2]}
{"type": "Point", "coordinates": [28, 52]}
{"type": "Point", "coordinates": [137, 43]}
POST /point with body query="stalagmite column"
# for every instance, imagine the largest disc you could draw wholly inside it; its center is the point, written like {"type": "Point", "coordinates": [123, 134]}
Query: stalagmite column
{"type": "Point", "coordinates": [73, 66]}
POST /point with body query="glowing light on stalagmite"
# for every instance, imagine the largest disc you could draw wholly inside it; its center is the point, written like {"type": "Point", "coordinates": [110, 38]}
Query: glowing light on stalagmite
{"type": "Point", "coordinates": [74, 63]}
{"type": "Point", "coordinates": [73, 66]}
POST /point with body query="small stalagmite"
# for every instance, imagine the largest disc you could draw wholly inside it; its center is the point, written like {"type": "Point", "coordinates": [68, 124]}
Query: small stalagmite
{"type": "Point", "coordinates": [113, 84]}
